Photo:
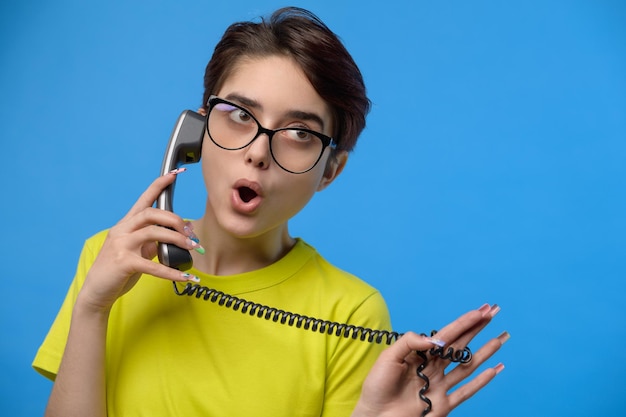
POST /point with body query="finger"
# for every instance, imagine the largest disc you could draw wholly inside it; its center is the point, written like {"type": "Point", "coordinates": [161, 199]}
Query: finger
{"type": "Point", "coordinates": [407, 344]}
{"type": "Point", "coordinates": [149, 217]}
{"type": "Point", "coordinates": [488, 313]}
{"type": "Point", "coordinates": [153, 233]}
{"type": "Point", "coordinates": [461, 372]}
{"type": "Point", "coordinates": [149, 196]}
{"type": "Point", "coordinates": [468, 390]}
{"type": "Point", "coordinates": [149, 250]}
{"type": "Point", "coordinates": [160, 234]}
{"type": "Point", "coordinates": [146, 239]}
{"type": "Point", "coordinates": [158, 270]}
{"type": "Point", "coordinates": [467, 322]}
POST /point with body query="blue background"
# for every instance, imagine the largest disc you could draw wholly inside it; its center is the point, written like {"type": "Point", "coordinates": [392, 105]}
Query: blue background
{"type": "Point", "coordinates": [492, 170]}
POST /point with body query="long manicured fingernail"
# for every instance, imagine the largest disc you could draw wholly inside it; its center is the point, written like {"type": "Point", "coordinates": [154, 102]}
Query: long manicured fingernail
{"type": "Point", "coordinates": [188, 228]}
{"type": "Point", "coordinates": [195, 245]}
{"type": "Point", "coordinates": [177, 171]}
{"type": "Point", "coordinates": [195, 242]}
{"type": "Point", "coordinates": [495, 309]}
{"type": "Point", "coordinates": [484, 309]}
{"type": "Point", "coordinates": [499, 368]}
{"type": "Point", "coordinates": [504, 337]}
{"type": "Point", "coordinates": [190, 277]}
{"type": "Point", "coordinates": [193, 236]}
{"type": "Point", "coordinates": [436, 342]}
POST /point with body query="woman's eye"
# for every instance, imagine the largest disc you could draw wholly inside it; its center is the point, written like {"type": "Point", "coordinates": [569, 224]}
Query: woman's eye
{"type": "Point", "coordinates": [234, 113]}
{"type": "Point", "coordinates": [240, 116]}
{"type": "Point", "coordinates": [299, 135]}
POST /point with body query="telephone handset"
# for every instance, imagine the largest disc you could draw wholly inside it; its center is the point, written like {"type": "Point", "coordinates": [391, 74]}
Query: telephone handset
{"type": "Point", "coordinates": [184, 147]}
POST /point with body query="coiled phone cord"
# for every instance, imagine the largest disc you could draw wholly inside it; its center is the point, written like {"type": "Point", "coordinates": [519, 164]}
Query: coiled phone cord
{"type": "Point", "coordinates": [325, 326]}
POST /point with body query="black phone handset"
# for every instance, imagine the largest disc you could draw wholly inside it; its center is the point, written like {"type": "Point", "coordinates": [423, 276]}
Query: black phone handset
{"type": "Point", "coordinates": [185, 147]}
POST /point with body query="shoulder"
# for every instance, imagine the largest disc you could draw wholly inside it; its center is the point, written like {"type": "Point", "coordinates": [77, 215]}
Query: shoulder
{"type": "Point", "coordinates": [337, 288]}
{"type": "Point", "coordinates": [95, 241]}
{"type": "Point", "coordinates": [91, 248]}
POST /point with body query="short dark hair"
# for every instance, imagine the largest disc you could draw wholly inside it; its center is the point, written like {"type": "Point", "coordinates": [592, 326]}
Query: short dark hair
{"type": "Point", "coordinates": [302, 36]}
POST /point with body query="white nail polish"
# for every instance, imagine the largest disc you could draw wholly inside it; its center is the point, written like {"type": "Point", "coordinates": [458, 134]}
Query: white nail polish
{"type": "Point", "coordinates": [190, 277]}
{"type": "Point", "coordinates": [436, 342]}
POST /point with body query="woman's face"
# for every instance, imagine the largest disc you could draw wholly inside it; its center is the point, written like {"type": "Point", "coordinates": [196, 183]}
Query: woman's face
{"type": "Point", "coordinates": [249, 195]}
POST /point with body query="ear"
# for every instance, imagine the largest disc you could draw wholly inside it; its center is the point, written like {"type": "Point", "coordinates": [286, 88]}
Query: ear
{"type": "Point", "coordinates": [202, 111]}
{"type": "Point", "coordinates": [334, 166]}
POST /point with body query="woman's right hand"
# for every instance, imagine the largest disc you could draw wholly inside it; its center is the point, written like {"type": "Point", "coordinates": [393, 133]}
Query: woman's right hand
{"type": "Point", "coordinates": [131, 245]}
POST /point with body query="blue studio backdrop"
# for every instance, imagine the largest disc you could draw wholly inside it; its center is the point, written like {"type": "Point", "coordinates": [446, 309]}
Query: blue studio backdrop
{"type": "Point", "coordinates": [492, 170]}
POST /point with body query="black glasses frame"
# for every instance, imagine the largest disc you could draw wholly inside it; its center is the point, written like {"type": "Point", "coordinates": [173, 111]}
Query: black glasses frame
{"type": "Point", "coordinates": [327, 141]}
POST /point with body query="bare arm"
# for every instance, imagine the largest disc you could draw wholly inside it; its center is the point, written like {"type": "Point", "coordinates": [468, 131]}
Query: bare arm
{"type": "Point", "coordinates": [80, 382]}
{"type": "Point", "coordinates": [80, 385]}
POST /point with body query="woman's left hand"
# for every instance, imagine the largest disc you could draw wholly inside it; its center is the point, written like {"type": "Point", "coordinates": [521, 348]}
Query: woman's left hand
{"type": "Point", "coordinates": [392, 386]}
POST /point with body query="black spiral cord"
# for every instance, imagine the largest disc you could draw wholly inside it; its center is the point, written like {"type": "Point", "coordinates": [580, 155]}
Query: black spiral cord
{"type": "Point", "coordinates": [328, 327]}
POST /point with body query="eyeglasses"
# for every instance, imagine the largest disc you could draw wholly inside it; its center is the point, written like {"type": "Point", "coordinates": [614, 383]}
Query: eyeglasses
{"type": "Point", "coordinates": [294, 149]}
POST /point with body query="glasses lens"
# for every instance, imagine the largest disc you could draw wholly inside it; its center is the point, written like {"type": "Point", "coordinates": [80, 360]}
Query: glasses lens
{"type": "Point", "coordinates": [294, 149]}
{"type": "Point", "coordinates": [231, 127]}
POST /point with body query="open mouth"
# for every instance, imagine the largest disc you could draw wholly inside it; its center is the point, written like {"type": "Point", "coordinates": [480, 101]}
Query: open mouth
{"type": "Point", "coordinates": [246, 194]}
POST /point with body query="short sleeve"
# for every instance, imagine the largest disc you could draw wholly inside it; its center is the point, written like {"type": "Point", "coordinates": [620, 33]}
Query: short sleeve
{"type": "Point", "coordinates": [48, 357]}
{"type": "Point", "coordinates": [351, 360]}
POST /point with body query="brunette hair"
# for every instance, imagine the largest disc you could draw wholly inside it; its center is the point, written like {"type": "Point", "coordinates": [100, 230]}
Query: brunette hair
{"type": "Point", "coordinates": [302, 36]}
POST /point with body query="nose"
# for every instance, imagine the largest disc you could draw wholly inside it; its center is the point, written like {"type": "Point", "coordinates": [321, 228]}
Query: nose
{"type": "Point", "coordinates": [258, 152]}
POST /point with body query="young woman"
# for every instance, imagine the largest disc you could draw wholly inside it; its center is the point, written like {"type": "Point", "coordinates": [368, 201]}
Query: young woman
{"type": "Point", "coordinates": [284, 104]}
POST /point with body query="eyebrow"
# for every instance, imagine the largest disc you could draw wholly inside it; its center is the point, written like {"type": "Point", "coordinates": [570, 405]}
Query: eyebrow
{"type": "Point", "coordinates": [294, 114]}
{"type": "Point", "coordinates": [244, 101]}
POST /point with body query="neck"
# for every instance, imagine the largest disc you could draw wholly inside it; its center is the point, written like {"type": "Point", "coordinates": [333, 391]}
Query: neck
{"type": "Point", "coordinates": [226, 254]}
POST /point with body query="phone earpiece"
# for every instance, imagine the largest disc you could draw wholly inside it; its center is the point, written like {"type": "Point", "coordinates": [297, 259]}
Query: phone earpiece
{"type": "Point", "coordinates": [184, 147]}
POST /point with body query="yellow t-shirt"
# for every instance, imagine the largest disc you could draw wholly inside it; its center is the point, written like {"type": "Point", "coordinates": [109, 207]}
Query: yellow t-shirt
{"type": "Point", "coordinates": [170, 355]}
